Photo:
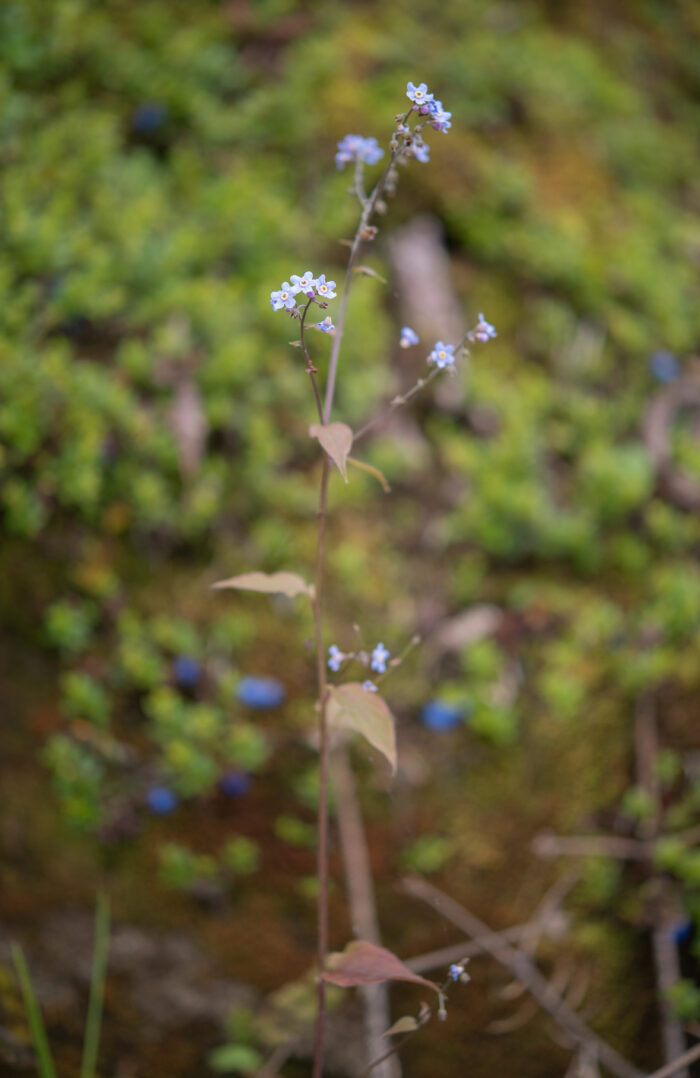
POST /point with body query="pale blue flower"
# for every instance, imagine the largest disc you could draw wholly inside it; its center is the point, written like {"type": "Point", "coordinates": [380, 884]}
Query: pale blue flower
{"type": "Point", "coordinates": [442, 355]}
{"type": "Point", "coordinates": [379, 658]}
{"type": "Point", "coordinates": [284, 298]}
{"type": "Point", "coordinates": [358, 148]}
{"type": "Point", "coordinates": [326, 326]}
{"type": "Point", "coordinates": [439, 119]}
{"type": "Point", "coordinates": [324, 288]}
{"type": "Point", "coordinates": [418, 94]}
{"type": "Point", "coordinates": [421, 152]}
{"type": "Point", "coordinates": [304, 283]}
{"type": "Point", "coordinates": [484, 330]}
{"type": "Point", "coordinates": [369, 686]}
{"type": "Point", "coordinates": [335, 658]}
{"type": "Point", "coordinates": [408, 337]}
{"type": "Point", "coordinates": [371, 151]}
{"type": "Point", "coordinates": [348, 148]}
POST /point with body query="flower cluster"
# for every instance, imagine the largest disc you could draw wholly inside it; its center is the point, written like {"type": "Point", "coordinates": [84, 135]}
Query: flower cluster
{"type": "Point", "coordinates": [306, 284]}
{"type": "Point", "coordinates": [484, 330]}
{"type": "Point", "coordinates": [431, 112]}
{"type": "Point", "coordinates": [377, 661]}
{"type": "Point", "coordinates": [427, 105]}
{"type": "Point", "coordinates": [335, 658]}
{"type": "Point", "coordinates": [357, 148]}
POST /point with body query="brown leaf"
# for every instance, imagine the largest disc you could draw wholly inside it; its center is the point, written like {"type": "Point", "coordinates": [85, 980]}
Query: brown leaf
{"type": "Point", "coordinates": [336, 439]}
{"type": "Point", "coordinates": [407, 1024]}
{"type": "Point", "coordinates": [353, 708]}
{"type": "Point", "coordinates": [365, 963]}
{"type": "Point", "coordinates": [283, 583]}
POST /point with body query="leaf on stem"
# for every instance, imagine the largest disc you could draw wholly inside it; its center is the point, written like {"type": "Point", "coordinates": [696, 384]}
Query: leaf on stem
{"type": "Point", "coordinates": [372, 471]}
{"type": "Point", "coordinates": [283, 583]}
{"type": "Point", "coordinates": [336, 439]}
{"type": "Point", "coordinates": [366, 963]}
{"type": "Point", "coordinates": [353, 708]}
{"type": "Point", "coordinates": [369, 272]}
{"type": "Point", "coordinates": [407, 1024]}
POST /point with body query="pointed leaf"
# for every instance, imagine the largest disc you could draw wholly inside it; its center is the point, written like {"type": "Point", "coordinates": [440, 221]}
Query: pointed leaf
{"type": "Point", "coordinates": [365, 963]}
{"type": "Point", "coordinates": [283, 583]}
{"type": "Point", "coordinates": [407, 1024]}
{"type": "Point", "coordinates": [353, 708]}
{"type": "Point", "coordinates": [369, 272]}
{"type": "Point", "coordinates": [372, 471]}
{"type": "Point", "coordinates": [336, 439]}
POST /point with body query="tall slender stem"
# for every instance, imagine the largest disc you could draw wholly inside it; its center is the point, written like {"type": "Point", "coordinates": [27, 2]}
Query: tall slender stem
{"type": "Point", "coordinates": [369, 205]}
{"type": "Point", "coordinates": [322, 906]}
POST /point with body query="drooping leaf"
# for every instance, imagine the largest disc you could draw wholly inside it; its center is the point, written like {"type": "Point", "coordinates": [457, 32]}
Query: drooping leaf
{"type": "Point", "coordinates": [336, 439]}
{"type": "Point", "coordinates": [367, 271]}
{"type": "Point", "coordinates": [366, 963]}
{"type": "Point", "coordinates": [282, 583]}
{"type": "Point", "coordinates": [407, 1024]}
{"type": "Point", "coordinates": [353, 708]}
{"type": "Point", "coordinates": [372, 471]}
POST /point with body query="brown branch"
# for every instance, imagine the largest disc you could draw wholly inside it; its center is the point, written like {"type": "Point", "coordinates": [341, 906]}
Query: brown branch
{"type": "Point", "coordinates": [677, 1064]}
{"type": "Point", "coordinates": [548, 845]}
{"type": "Point", "coordinates": [525, 970]}
{"type": "Point", "coordinates": [667, 966]}
{"type": "Point", "coordinates": [363, 911]}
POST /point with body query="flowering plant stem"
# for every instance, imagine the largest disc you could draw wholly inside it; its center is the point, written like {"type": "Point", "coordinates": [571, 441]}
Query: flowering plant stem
{"type": "Point", "coordinates": [369, 205]}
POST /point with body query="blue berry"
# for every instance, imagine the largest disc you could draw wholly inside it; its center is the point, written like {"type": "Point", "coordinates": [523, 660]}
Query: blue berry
{"type": "Point", "coordinates": [161, 800]}
{"type": "Point", "coordinates": [260, 692]}
{"type": "Point", "coordinates": [438, 715]}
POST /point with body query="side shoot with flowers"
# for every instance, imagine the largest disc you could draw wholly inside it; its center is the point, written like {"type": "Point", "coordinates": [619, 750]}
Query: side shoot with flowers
{"type": "Point", "coordinates": [355, 705]}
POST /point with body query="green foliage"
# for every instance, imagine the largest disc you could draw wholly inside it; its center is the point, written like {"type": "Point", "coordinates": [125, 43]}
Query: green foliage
{"type": "Point", "coordinates": [428, 854]}
{"type": "Point", "coordinates": [684, 998]}
{"type": "Point", "coordinates": [235, 1059]}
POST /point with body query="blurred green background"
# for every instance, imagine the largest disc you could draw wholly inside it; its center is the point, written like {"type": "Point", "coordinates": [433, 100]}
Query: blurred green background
{"type": "Point", "coordinates": [164, 166]}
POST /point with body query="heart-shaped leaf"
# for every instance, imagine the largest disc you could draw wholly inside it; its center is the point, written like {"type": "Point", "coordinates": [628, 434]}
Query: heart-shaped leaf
{"type": "Point", "coordinates": [336, 439]}
{"type": "Point", "coordinates": [353, 708]}
{"type": "Point", "coordinates": [283, 583]}
{"type": "Point", "coordinates": [366, 963]}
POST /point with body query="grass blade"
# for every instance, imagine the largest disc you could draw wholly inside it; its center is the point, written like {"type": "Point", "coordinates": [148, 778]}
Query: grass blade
{"type": "Point", "coordinates": [31, 1006]}
{"type": "Point", "coordinates": [97, 988]}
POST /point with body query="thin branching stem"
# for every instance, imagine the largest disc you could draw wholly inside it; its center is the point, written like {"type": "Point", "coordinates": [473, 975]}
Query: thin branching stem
{"type": "Point", "coordinates": [310, 369]}
{"type": "Point", "coordinates": [397, 402]}
{"type": "Point", "coordinates": [369, 205]}
{"type": "Point", "coordinates": [387, 1055]}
